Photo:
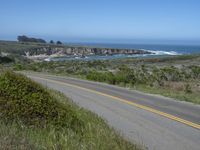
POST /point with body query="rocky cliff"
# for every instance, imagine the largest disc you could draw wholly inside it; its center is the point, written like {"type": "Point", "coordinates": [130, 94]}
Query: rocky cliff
{"type": "Point", "coordinates": [82, 51]}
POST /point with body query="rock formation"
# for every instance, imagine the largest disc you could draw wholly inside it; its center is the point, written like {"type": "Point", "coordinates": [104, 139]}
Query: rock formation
{"type": "Point", "coordinates": [64, 50]}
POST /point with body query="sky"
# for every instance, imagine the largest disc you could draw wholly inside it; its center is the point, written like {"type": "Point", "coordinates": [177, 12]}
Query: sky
{"type": "Point", "coordinates": [107, 21]}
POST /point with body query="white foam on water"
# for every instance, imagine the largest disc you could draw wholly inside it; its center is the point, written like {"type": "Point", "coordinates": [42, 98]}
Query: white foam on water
{"type": "Point", "coordinates": [162, 52]}
{"type": "Point", "coordinates": [47, 59]}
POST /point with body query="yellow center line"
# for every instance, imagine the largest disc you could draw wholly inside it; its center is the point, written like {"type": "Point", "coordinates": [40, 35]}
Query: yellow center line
{"type": "Point", "coordinates": [172, 117]}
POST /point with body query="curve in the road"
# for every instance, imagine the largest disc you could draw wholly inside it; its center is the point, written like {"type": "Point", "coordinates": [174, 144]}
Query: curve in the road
{"type": "Point", "coordinates": [172, 117]}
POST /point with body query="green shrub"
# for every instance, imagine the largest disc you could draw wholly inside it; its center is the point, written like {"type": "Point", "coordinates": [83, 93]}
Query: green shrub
{"type": "Point", "coordinates": [24, 100]}
{"type": "Point", "coordinates": [5, 60]}
{"type": "Point", "coordinates": [18, 67]}
{"type": "Point", "coordinates": [195, 71]}
{"type": "Point", "coordinates": [188, 88]}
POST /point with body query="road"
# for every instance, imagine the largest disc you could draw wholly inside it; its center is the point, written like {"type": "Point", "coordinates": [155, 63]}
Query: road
{"type": "Point", "coordinates": [157, 122]}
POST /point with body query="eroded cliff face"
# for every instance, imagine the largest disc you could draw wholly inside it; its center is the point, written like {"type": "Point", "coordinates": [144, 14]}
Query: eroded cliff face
{"type": "Point", "coordinates": [82, 51]}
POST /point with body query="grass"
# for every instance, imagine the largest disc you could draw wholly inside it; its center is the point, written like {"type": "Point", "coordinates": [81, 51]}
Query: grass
{"type": "Point", "coordinates": [193, 97]}
{"type": "Point", "coordinates": [16, 47]}
{"type": "Point", "coordinates": [68, 127]}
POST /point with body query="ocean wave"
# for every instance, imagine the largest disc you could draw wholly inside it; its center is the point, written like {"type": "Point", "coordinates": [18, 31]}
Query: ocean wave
{"type": "Point", "coordinates": [158, 52]}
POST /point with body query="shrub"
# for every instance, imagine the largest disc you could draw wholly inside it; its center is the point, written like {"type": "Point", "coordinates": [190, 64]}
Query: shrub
{"type": "Point", "coordinates": [24, 100]}
{"type": "Point", "coordinates": [5, 60]}
{"type": "Point", "coordinates": [188, 88]}
{"type": "Point", "coordinates": [195, 71]}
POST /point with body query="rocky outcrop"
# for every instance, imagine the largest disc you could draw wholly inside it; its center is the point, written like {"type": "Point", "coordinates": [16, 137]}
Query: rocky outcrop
{"type": "Point", "coordinates": [82, 51]}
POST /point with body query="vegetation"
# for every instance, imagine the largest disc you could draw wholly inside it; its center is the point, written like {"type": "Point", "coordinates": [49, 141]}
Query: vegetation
{"type": "Point", "coordinates": [51, 42]}
{"type": "Point", "coordinates": [59, 43]}
{"type": "Point", "coordinates": [18, 48]}
{"type": "Point", "coordinates": [5, 59]}
{"type": "Point", "coordinates": [170, 81]}
{"type": "Point", "coordinates": [35, 103]}
{"type": "Point", "coordinates": [33, 117]}
{"type": "Point", "coordinates": [176, 77]}
{"type": "Point", "coordinates": [24, 38]}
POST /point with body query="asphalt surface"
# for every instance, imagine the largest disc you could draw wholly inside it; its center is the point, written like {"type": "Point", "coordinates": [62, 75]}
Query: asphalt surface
{"type": "Point", "coordinates": [151, 129]}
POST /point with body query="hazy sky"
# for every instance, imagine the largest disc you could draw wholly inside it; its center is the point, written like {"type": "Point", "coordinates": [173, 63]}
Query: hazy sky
{"type": "Point", "coordinates": [123, 21]}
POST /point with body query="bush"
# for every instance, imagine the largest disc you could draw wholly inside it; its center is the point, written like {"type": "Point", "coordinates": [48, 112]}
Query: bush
{"type": "Point", "coordinates": [5, 60]}
{"type": "Point", "coordinates": [195, 71]}
{"type": "Point", "coordinates": [188, 88]}
{"type": "Point", "coordinates": [24, 100]}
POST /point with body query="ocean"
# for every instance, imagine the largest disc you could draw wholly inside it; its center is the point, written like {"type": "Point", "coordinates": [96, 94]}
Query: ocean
{"type": "Point", "coordinates": [158, 50]}
{"type": "Point", "coordinates": [163, 49]}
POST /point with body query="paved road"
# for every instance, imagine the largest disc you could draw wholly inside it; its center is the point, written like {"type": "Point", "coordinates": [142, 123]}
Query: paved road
{"type": "Point", "coordinates": [157, 122]}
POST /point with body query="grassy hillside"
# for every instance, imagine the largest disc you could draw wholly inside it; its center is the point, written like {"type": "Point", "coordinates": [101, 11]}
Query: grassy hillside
{"type": "Point", "coordinates": [33, 117]}
{"type": "Point", "coordinates": [18, 48]}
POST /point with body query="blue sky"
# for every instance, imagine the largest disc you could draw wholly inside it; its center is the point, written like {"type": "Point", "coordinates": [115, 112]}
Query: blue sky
{"type": "Point", "coordinates": [121, 21]}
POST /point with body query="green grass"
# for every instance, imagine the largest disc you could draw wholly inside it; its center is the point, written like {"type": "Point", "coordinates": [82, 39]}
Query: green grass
{"type": "Point", "coordinates": [178, 95]}
{"type": "Point", "coordinates": [16, 47]}
{"type": "Point", "coordinates": [33, 117]}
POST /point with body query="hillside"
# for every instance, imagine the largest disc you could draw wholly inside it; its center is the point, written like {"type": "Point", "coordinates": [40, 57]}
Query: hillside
{"type": "Point", "coordinates": [33, 117]}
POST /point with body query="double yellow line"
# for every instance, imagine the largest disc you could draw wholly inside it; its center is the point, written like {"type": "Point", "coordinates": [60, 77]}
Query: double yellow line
{"type": "Point", "coordinates": [172, 117]}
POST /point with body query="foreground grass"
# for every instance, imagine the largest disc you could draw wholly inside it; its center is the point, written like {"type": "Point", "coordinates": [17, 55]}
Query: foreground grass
{"type": "Point", "coordinates": [81, 130]}
{"type": "Point", "coordinates": [95, 135]}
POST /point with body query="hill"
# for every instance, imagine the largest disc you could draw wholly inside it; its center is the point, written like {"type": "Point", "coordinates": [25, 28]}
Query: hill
{"type": "Point", "coordinates": [33, 117]}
